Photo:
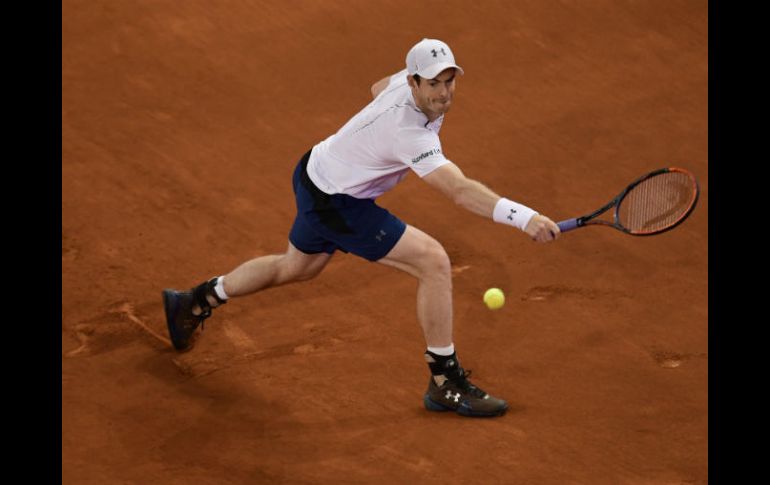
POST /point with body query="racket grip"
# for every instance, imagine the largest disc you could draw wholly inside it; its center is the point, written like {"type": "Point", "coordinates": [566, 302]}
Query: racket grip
{"type": "Point", "coordinates": [568, 225]}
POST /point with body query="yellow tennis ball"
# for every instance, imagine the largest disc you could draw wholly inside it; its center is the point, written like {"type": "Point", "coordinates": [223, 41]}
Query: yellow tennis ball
{"type": "Point", "coordinates": [494, 298]}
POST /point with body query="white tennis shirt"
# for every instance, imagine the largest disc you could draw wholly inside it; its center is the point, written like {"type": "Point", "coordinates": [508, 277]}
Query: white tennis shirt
{"type": "Point", "coordinates": [376, 149]}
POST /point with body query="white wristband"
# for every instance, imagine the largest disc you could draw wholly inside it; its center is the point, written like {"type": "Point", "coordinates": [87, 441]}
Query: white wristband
{"type": "Point", "coordinates": [512, 213]}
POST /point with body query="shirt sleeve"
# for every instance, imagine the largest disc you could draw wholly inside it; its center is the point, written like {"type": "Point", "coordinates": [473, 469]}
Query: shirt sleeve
{"type": "Point", "coordinates": [420, 150]}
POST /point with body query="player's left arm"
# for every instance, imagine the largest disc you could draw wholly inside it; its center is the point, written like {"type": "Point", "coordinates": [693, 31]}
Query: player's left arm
{"type": "Point", "coordinates": [480, 199]}
{"type": "Point", "coordinates": [467, 193]}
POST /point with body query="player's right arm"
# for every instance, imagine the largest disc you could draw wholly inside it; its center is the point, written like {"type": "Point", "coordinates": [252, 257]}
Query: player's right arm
{"type": "Point", "coordinates": [379, 86]}
{"type": "Point", "coordinates": [382, 84]}
{"type": "Point", "coordinates": [480, 199]}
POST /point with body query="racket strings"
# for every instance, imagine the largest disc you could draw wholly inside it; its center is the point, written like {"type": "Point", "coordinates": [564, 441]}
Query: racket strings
{"type": "Point", "coordinates": [657, 203]}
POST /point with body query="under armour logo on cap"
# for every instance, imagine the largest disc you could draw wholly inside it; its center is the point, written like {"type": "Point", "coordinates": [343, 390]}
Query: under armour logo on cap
{"type": "Point", "coordinates": [435, 53]}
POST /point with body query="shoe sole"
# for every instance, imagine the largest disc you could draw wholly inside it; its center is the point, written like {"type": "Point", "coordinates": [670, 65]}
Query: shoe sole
{"type": "Point", "coordinates": [170, 306]}
{"type": "Point", "coordinates": [432, 405]}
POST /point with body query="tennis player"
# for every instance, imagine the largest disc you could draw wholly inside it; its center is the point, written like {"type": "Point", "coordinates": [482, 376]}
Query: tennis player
{"type": "Point", "coordinates": [336, 185]}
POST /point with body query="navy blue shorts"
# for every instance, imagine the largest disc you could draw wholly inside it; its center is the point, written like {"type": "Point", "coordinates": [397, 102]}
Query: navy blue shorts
{"type": "Point", "coordinates": [326, 223]}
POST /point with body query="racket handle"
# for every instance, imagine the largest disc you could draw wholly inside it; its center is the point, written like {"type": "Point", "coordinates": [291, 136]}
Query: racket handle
{"type": "Point", "coordinates": [568, 225]}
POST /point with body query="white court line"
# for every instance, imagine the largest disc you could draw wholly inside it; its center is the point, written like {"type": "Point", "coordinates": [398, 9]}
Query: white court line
{"type": "Point", "coordinates": [128, 310]}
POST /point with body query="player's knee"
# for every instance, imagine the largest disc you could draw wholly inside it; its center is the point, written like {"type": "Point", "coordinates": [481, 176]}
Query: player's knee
{"type": "Point", "coordinates": [300, 269]}
{"type": "Point", "coordinates": [434, 261]}
{"type": "Point", "coordinates": [307, 273]}
{"type": "Point", "coordinates": [295, 272]}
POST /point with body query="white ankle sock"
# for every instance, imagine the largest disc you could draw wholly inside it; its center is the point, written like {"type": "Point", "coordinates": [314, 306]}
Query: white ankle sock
{"type": "Point", "coordinates": [445, 351]}
{"type": "Point", "coordinates": [220, 288]}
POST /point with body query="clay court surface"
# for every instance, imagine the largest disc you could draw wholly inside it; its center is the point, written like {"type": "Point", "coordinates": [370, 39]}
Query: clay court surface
{"type": "Point", "coordinates": [181, 125]}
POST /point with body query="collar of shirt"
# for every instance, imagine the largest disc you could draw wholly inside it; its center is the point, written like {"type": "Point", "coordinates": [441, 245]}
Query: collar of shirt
{"type": "Point", "coordinates": [434, 125]}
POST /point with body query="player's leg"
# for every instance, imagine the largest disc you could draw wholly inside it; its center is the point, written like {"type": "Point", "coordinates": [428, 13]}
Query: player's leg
{"type": "Point", "coordinates": [424, 258]}
{"type": "Point", "coordinates": [186, 310]}
{"type": "Point", "coordinates": [449, 388]}
{"type": "Point", "coordinates": [274, 270]}
{"type": "Point", "coordinates": [307, 254]}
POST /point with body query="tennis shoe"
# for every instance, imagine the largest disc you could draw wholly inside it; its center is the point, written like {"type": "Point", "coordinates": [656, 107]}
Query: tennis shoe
{"type": "Point", "coordinates": [180, 319]}
{"type": "Point", "coordinates": [457, 393]}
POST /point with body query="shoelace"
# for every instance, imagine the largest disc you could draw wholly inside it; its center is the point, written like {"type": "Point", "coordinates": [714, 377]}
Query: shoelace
{"type": "Point", "coordinates": [202, 318]}
{"type": "Point", "coordinates": [465, 385]}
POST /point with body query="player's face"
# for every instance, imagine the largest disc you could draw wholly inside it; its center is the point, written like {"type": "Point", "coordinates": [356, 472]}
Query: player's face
{"type": "Point", "coordinates": [434, 96]}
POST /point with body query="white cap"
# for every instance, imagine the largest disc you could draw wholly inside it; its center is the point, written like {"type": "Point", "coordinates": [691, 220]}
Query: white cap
{"type": "Point", "coordinates": [429, 57]}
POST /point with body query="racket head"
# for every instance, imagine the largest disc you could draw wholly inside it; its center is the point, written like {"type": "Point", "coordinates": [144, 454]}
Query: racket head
{"type": "Point", "coordinates": [657, 202]}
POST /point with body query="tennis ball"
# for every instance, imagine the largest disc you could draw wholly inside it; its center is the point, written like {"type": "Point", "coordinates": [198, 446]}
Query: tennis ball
{"type": "Point", "coordinates": [494, 298]}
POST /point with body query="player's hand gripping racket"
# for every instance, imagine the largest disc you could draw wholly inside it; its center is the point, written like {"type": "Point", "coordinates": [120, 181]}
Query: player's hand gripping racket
{"type": "Point", "coordinates": [652, 204]}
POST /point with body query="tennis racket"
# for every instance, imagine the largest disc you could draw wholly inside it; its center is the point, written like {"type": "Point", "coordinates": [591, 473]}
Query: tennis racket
{"type": "Point", "coordinates": [652, 204]}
